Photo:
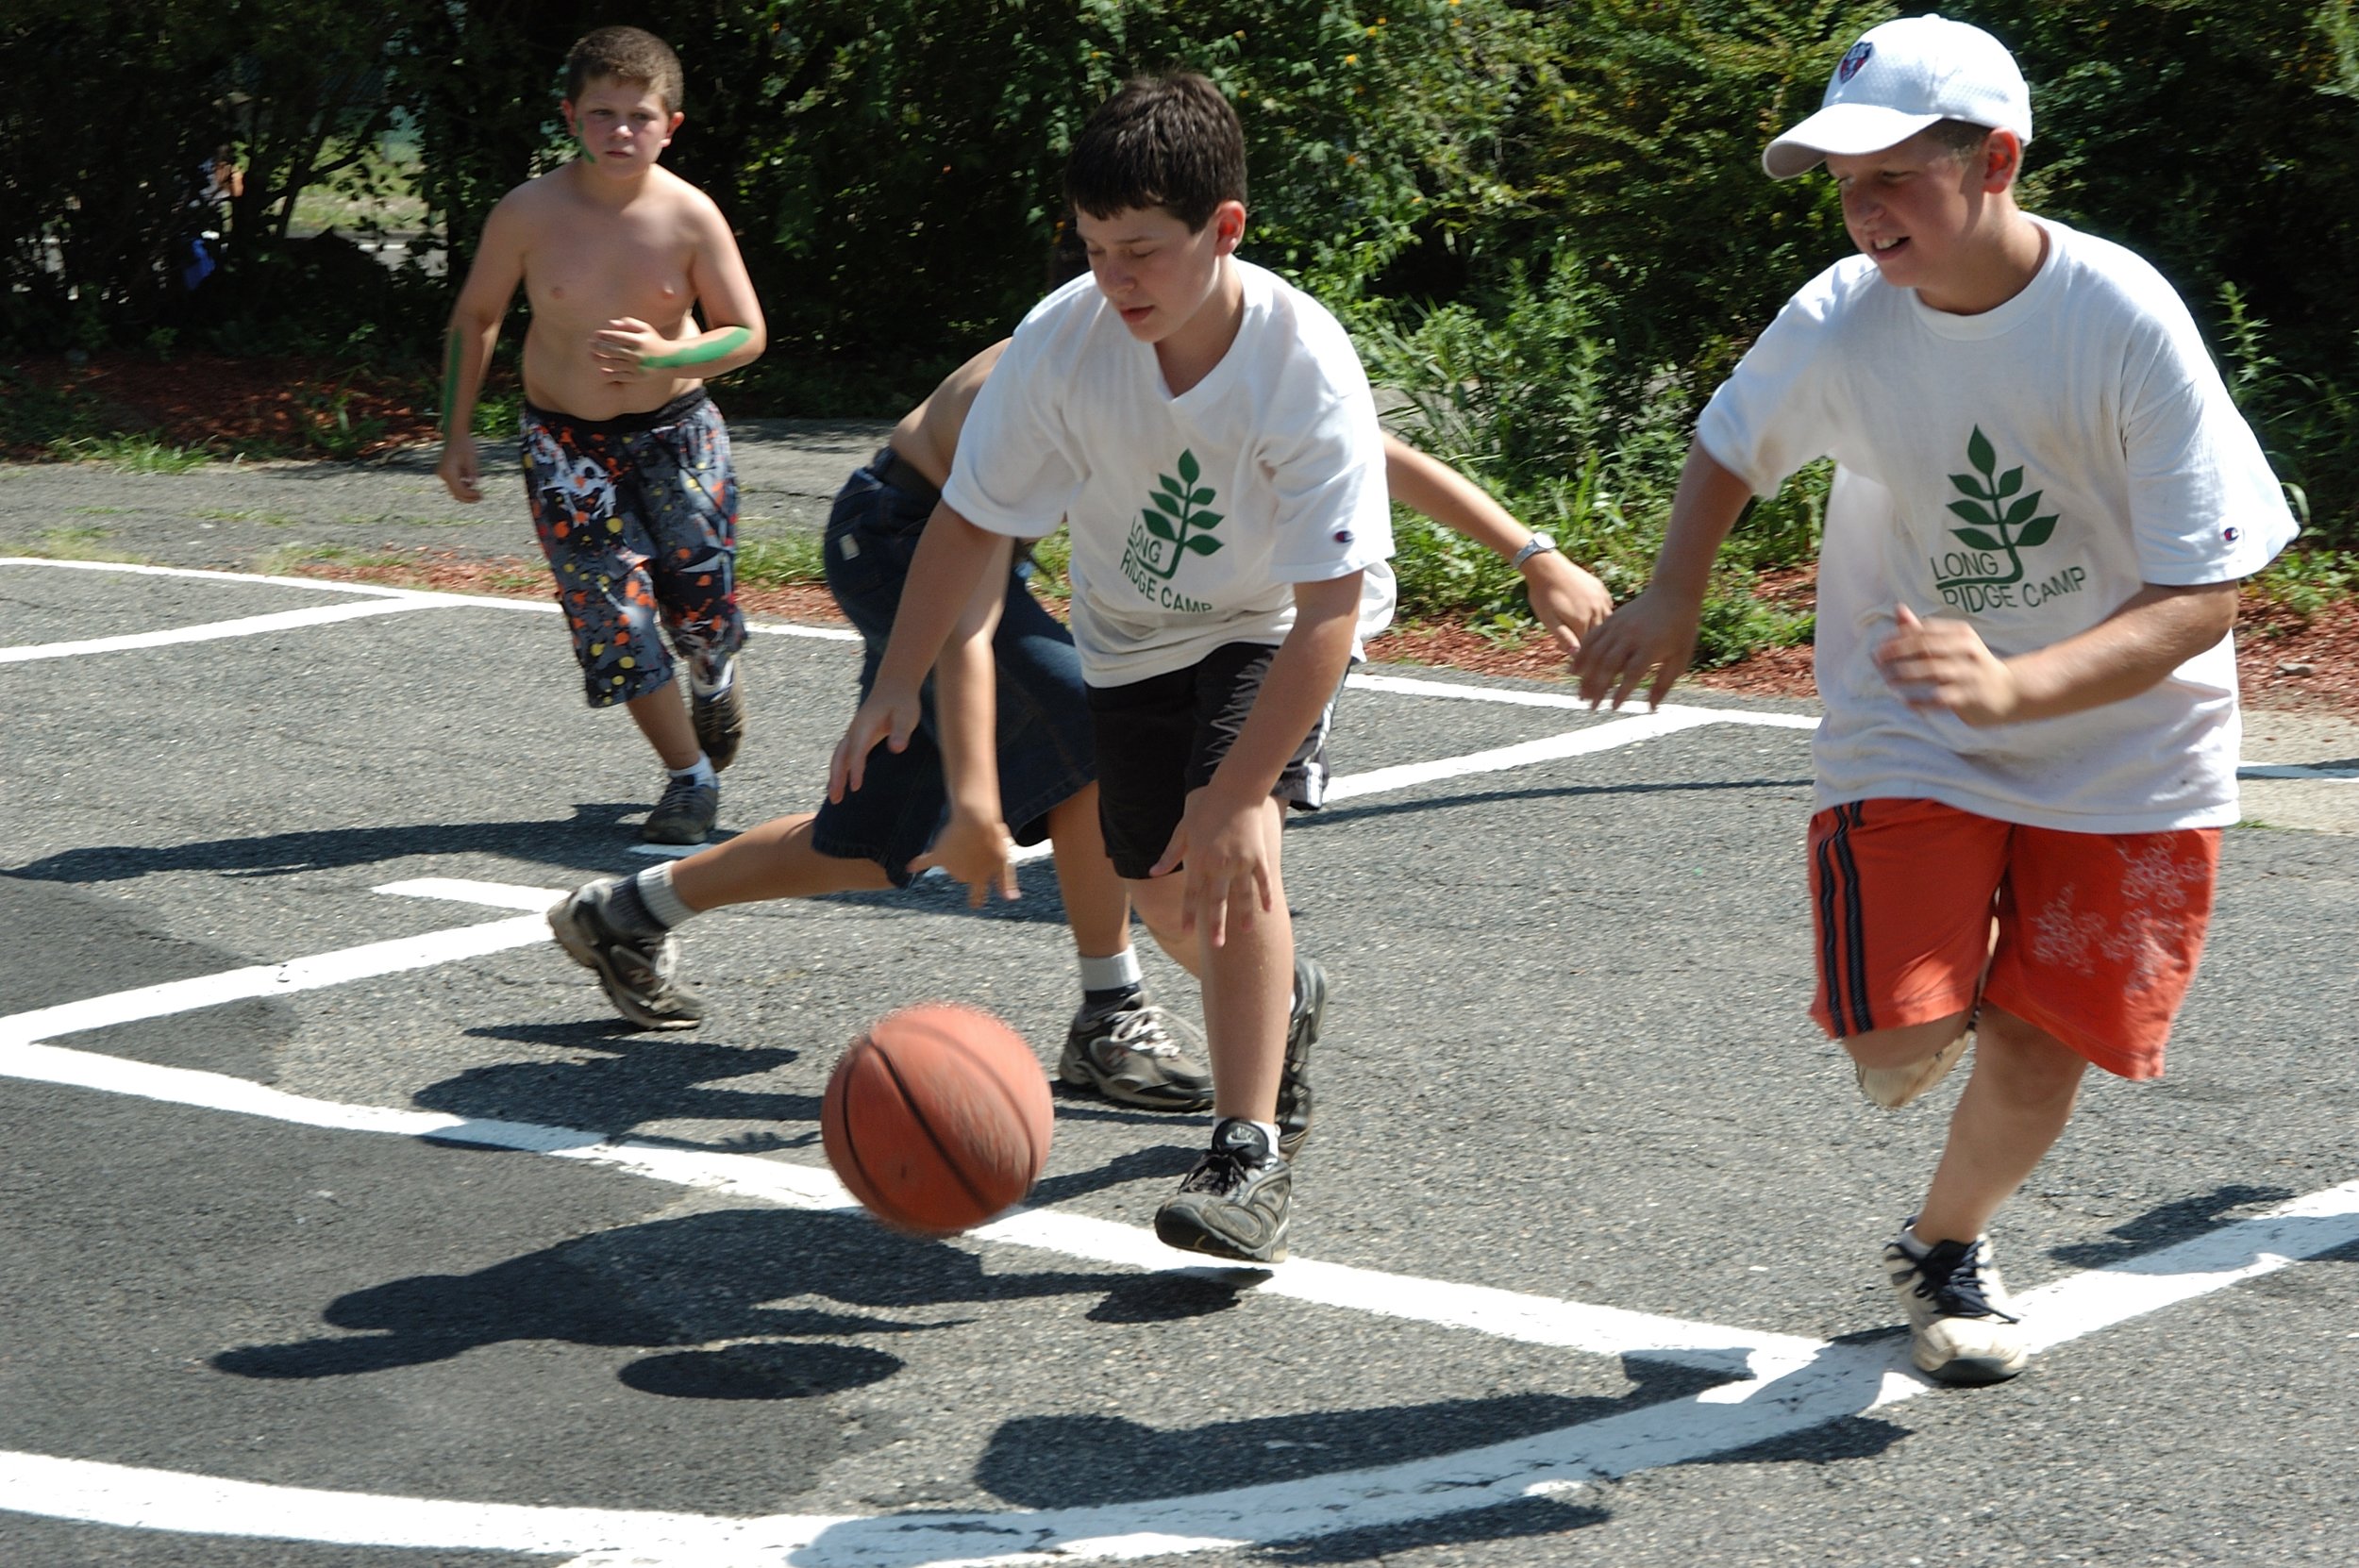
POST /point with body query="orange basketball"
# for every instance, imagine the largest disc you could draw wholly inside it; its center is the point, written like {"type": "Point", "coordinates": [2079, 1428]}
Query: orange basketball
{"type": "Point", "coordinates": [937, 1118]}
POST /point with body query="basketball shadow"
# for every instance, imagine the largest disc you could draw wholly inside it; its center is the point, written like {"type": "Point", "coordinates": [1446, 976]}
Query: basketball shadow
{"type": "Point", "coordinates": [716, 1279]}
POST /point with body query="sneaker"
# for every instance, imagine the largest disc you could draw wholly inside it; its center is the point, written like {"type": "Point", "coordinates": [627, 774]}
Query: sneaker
{"type": "Point", "coordinates": [1961, 1329]}
{"type": "Point", "coordinates": [1136, 1053]}
{"type": "Point", "coordinates": [1303, 1032]}
{"type": "Point", "coordinates": [720, 722]}
{"type": "Point", "coordinates": [686, 812]}
{"type": "Point", "coordinates": [1234, 1203]}
{"type": "Point", "coordinates": [636, 973]}
{"type": "Point", "coordinates": [1894, 1087]}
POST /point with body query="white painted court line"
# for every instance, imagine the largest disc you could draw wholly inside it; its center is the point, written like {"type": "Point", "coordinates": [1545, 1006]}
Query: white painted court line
{"type": "Point", "coordinates": [248, 626]}
{"type": "Point", "coordinates": [413, 598]}
{"type": "Point", "coordinates": [1831, 1383]}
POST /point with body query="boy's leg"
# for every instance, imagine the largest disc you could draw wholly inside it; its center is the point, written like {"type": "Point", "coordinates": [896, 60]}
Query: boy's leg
{"type": "Point", "coordinates": [662, 717]}
{"type": "Point", "coordinates": [1120, 1043]}
{"type": "Point", "coordinates": [2016, 1102]}
{"type": "Point", "coordinates": [682, 481]}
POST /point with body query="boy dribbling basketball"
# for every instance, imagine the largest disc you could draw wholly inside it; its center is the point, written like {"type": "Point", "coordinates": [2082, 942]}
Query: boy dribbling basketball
{"type": "Point", "coordinates": [1208, 434]}
{"type": "Point", "coordinates": [2043, 503]}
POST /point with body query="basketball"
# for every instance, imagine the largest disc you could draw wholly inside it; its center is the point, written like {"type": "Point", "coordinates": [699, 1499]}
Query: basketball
{"type": "Point", "coordinates": [937, 1118]}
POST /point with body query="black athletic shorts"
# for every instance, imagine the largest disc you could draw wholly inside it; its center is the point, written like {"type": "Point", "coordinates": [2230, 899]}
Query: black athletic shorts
{"type": "Point", "coordinates": [1160, 737]}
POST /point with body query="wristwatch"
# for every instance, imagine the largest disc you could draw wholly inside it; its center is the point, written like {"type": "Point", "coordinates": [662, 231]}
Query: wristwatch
{"type": "Point", "coordinates": [1537, 544]}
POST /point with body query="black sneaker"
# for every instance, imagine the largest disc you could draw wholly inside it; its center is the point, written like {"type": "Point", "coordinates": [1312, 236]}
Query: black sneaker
{"type": "Point", "coordinates": [1138, 1054]}
{"type": "Point", "coordinates": [720, 720]}
{"type": "Point", "coordinates": [686, 812]}
{"type": "Point", "coordinates": [1234, 1203]}
{"type": "Point", "coordinates": [1303, 1032]}
{"type": "Point", "coordinates": [635, 972]}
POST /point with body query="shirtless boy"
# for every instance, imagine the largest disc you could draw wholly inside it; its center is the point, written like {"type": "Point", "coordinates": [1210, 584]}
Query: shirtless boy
{"type": "Point", "coordinates": [626, 462]}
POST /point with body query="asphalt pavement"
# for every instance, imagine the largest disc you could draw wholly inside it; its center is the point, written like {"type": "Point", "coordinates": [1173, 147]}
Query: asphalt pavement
{"type": "Point", "coordinates": [343, 1228]}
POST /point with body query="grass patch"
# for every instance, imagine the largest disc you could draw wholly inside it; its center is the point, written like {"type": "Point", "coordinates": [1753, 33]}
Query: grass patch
{"type": "Point", "coordinates": [104, 511]}
{"type": "Point", "coordinates": [75, 543]}
{"type": "Point", "coordinates": [2303, 582]}
{"type": "Point", "coordinates": [292, 558]}
{"type": "Point", "coordinates": [788, 559]}
{"type": "Point", "coordinates": [134, 454]}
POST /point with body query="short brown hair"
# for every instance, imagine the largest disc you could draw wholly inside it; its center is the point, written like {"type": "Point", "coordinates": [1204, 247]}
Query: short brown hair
{"type": "Point", "coordinates": [1960, 139]}
{"type": "Point", "coordinates": [1168, 142]}
{"type": "Point", "coordinates": [626, 54]}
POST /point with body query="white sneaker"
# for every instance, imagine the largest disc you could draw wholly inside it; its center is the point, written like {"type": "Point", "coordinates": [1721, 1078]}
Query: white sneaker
{"type": "Point", "coordinates": [1894, 1087]}
{"type": "Point", "coordinates": [1962, 1329]}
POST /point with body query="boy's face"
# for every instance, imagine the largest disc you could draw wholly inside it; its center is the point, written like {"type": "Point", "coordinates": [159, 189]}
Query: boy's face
{"type": "Point", "coordinates": [1152, 270]}
{"type": "Point", "coordinates": [1917, 210]}
{"type": "Point", "coordinates": [621, 126]}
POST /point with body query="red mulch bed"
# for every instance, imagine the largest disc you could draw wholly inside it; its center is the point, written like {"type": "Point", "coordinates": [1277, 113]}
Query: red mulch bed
{"type": "Point", "coordinates": [2285, 662]}
{"type": "Point", "coordinates": [273, 406]}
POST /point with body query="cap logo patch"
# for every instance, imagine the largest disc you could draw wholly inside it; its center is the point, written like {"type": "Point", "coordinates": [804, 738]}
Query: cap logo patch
{"type": "Point", "coordinates": [1853, 61]}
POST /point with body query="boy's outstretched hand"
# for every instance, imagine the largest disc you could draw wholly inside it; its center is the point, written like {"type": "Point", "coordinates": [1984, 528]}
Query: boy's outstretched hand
{"type": "Point", "coordinates": [887, 715]}
{"type": "Point", "coordinates": [1570, 601]}
{"type": "Point", "coordinates": [1225, 850]}
{"type": "Point", "coordinates": [1941, 664]}
{"type": "Point", "coordinates": [1649, 641]}
{"type": "Point", "coordinates": [976, 851]}
{"type": "Point", "coordinates": [459, 470]}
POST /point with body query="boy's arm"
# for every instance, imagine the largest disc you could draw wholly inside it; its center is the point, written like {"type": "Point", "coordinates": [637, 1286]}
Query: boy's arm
{"type": "Point", "coordinates": [475, 326]}
{"type": "Point", "coordinates": [951, 556]}
{"type": "Point", "coordinates": [1568, 600]}
{"type": "Point", "coordinates": [1942, 663]}
{"type": "Point", "coordinates": [1230, 865]}
{"type": "Point", "coordinates": [734, 335]}
{"type": "Point", "coordinates": [1654, 635]}
{"type": "Point", "coordinates": [974, 846]}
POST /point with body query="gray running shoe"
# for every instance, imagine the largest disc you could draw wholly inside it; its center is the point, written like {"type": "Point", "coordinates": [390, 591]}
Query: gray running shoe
{"type": "Point", "coordinates": [685, 814]}
{"type": "Point", "coordinates": [1961, 1329]}
{"type": "Point", "coordinates": [1235, 1203]}
{"type": "Point", "coordinates": [1137, 1054]}
{"type": "Point", "coordinates": [720, 722]}
{"type": "Point", "coordinates": [635, 973]}
{"type": "Point", "coordinates": [1303, 1032]}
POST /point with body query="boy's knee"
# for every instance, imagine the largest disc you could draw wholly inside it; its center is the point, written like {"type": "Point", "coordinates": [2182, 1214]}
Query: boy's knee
{"type": "Point", "coordinates": [2023, 1060]}
{"type": "Point", "coordinates": [1907, 1044]}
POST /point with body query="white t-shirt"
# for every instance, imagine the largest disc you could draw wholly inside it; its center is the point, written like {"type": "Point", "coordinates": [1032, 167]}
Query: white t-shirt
{"type": "Point", "coordinates": [2029, 469]}
{"type": "Point", "coordinates": [1192, 517]}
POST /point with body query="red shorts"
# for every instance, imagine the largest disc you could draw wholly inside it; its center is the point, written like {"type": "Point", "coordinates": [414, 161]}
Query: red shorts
{"type": "Point", "coordinates": [2098, 933]}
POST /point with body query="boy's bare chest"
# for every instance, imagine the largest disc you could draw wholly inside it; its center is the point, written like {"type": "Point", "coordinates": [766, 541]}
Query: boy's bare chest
{"type": "Point", "coordinates": [584, 272]}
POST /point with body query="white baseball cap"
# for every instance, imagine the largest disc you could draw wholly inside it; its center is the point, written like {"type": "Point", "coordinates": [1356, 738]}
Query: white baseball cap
{"type": "Point", "coordinates": [1899, 78]}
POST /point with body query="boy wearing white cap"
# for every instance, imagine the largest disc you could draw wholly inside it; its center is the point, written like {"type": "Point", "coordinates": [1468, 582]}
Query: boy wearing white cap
{"type": "Point", "coordinates": [2043, 503]}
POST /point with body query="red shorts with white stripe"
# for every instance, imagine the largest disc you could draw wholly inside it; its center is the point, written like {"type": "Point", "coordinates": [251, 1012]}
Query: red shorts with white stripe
{"type": "Point", "coordinates": [1921, 911]}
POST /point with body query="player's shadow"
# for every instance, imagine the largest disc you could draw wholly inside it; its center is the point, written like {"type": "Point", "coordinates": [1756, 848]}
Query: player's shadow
{"type": "Point", "coordinates": [714, 1279]}
{"type": "Point", "coordinates": [581, 843]}
{"type": "Point", "coordinates": [642, 1080]}
{"type": "Point", "coordinates": [1065, 1461]}
{"type": "Point", "coordinates": [1039, 902]}
{"type": "Point", "coordinates": [2165, 1224]}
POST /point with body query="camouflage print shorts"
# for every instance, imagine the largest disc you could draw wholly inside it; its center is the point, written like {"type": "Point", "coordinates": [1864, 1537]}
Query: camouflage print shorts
{"type": "Point", "coordinates": [638, 517]}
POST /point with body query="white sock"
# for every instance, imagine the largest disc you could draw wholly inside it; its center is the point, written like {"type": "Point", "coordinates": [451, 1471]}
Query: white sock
{"type": "Point", "coordinates": [1110, 974]}
{"type": "Point", "coordinates": [701, 771]}
{"type": "Point", "coordinates": [719, 683]}
{"type": "Point", "coordinates": [656, 892]}
{"type": "Point", "coordinates": [1269, 1130]}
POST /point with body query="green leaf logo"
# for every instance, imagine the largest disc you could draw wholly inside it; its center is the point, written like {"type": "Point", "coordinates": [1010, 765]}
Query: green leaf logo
{"type": "Point", "coordinates": [1175, 514]}
{"type": "Point", "coordinates": [2001, 518]}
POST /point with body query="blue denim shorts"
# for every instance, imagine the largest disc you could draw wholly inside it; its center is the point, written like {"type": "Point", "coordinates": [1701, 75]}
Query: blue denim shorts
{"type": "Point", "coordinates": [1044, 745]}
